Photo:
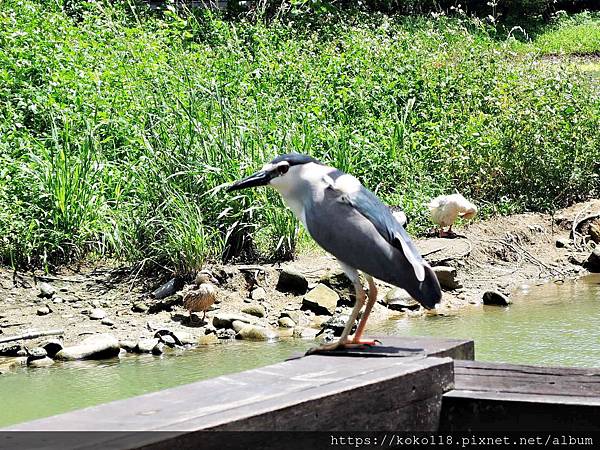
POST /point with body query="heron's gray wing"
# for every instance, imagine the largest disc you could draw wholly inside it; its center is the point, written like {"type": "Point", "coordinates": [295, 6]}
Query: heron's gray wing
{"type": "Point", "coordinates": [359, 232]}
{"type": "Point", "coordinates": [367, 204]}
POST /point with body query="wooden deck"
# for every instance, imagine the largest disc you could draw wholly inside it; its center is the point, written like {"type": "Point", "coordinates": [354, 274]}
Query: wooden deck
{"type": "Point", "coordinates": [401, 390]}
{"type": "Point", "coordinates": [494, 396]}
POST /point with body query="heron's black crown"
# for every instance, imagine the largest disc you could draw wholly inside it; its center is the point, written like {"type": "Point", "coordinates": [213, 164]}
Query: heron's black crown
{"type": "Point", "coordinates": [294, 159]}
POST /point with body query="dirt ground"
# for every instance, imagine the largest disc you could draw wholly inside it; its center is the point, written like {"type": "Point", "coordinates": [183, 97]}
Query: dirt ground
{"type": "Point", "coordinates": [503, 254]}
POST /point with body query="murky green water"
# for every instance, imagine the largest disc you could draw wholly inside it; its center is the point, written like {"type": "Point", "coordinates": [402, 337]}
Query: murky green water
{"type": "Point", "coordinates": [548, 325]}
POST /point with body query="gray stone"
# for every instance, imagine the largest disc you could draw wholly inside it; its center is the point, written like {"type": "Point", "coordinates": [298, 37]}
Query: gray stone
{"type": "Point", "coordinates": [36, 353]}
{"type": "Point", "coordinates": [321, 300]}
{"type": "Point", "coordinates": [398, 299]}
{"type": "Point", "coordinates": [46, 290]}
{"type": "Point", "coordinates": [97, 314]}
{"type": "Point", "coordinates": [255, 310]}
{"type": "Point", "coordinates": [52, 346]}
{"type": "Point", "coordinates": [184, 338]}
{"type": "Point", "coordinates": [446, 276]}
{"type": "Point", "coordinates": [43, 311]}
{"type": "Point", "coordinates": [593, 262]}
{"type": "Point", "coordinates": [340, 283]}
{"type": "Point", "coordinates": [337, 324]}
{"type": "Point", "coordinates": [225, 333]}
{"type": "Point", "coordinates": [256, 333]}
{"type": "Point", "coordinates": [145, 345]}
{"type": "Point", "coordinates": [98, 346]}
{"type": "Point", "coordinates": [292, 281]}
{"type": "Point", "coordinates": [158, 349]}
{"type": "Point", "coordinates": [108, 322]}
{"type": "Point", "coordinates": [286, 322]}
{"type": "Point", "coordinates": [225, 320]}
{"type": "Point", "coordinates": [305, 333]}
{"type": "Point", "coordinates": [41, 362]}
{"type": "Point", "coordinates": [58, 300]}
{"type": "Point", "coordinates": [130, 346]}
{"type": "Point", "coordinates": [495, 298]}
{"type": "Point", "coordinates": [140, 307]}
{"type": "Point", "coordinates": [168, 339]}
{"type": "Point", "coordinates": [166, 304]}
{"type": "Point", "coordinates": [258, 294]}
{"type": "Point", "coordinates": [563, 243]}
{"type": "Point", "coordinates": [237, 325]}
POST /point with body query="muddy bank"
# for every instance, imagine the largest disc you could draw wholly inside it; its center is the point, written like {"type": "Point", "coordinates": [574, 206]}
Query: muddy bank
{"type": "Point", "coordinates": [99, 311]}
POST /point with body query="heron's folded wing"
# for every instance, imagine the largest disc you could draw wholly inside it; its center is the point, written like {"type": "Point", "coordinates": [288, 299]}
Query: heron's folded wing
{"type": "Point", "coordinates": [369, 206]}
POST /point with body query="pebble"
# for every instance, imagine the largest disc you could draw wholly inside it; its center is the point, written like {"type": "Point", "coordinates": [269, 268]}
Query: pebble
{"type": "Point", "coordinates": [286, 322]}
{"type": "Point", "coordinates": [562, 243]}
{"type": "Point", "coordinates": [58, 300]}
{"type": "Point", "coordinates": [36, 353]}
{"type": "Point", "coordinates": [446, 275]}
{"type": "Point", "coordinates": [43, 311]}
{"type": "Point", "coordinates": [292, 281]}
{"type": "Point", "coordinates": [140, 307]}
{"type": "Point", "coordinates": [225, 333]}
{"type": "Point", "coordinates": [108, 322]}
{"type": "Point", "coordinates": [46, 290]}
{"type": "Point", "coordinates": [255, 310]}
{"type": "Point", "coordinates": [42, 362]}
{"type": "Point", "coordinates": [97, 314]}
{"type": "Point", "coordinates": [145, 345]}
{"type": "Point", "coordinates": [128, 345]}
{"type": "Point", "coordinates": [258, 294]}
{"type": "Point", "coordinates": [495, 298]}
{"type": "Point", "coordinates": [321, 300]}
{"type": "Point", "coordinates": [158, 349]}
{"type": "Point", "coordinates": [256, 333]}
{"type": "Point", "coordinates": [225, 320]}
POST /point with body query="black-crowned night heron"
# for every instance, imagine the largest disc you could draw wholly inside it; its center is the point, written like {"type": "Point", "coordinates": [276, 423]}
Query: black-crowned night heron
{"type": "Point", "coordinates": [446, 208]}
{"type": "Point", "coordinates": [352, 224]}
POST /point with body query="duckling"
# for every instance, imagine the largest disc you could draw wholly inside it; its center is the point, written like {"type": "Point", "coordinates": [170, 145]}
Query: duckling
{"type": "Point", "coordinates": [446, 208]}
{"type": "Point", "coordinates": [202, 295]}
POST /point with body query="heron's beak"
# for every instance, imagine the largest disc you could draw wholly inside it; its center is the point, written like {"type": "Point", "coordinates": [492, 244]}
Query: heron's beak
{"type": "Point", "coordinates": [260, 178]}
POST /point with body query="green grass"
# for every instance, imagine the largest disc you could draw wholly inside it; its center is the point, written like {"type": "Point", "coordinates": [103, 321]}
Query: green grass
{"type": "Point", "coordinates": [118, 131]}
{"type": "Point", "coordinates": [571, 35]}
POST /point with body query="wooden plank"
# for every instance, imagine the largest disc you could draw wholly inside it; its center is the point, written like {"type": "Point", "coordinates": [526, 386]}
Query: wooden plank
{"type": "Point", "coordinates": [495, 396]}
{"type": "Point", "coordinates": [307, 394]}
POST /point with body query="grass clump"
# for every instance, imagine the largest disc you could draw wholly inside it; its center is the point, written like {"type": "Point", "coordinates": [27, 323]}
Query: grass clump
{"type": "Point", "coordinates": [119, 128]}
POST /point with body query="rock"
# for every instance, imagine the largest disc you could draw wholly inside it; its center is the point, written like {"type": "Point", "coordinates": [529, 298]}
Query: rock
{"type": "Point", "coordinates": [158, 349]}
{"type": "Point", "coordinates": [318, 321]}
{"type": "Point", "coordinates": [321, 300]}
{"type": "Point", "coordinates": [58, 300]}
{"type": "Point", "coordinates": [52, 346]}
{"type": "Point", "coordinates": [593, 262]}
{"type": "Point", "coordinates": [225, 320]}
{"type": "Point", "coordinates": [140, 307]}
{"type": "Point", "coordinates": [255, 310]}
{"type": "Point", "coordinates": [10, 349]}
{"type": "Point", "coordinates": [168, 340]}
{"type": "Point", "coordinates": [225, 333]}
{"type": "Point", "coordinates": [298, 317]}
{"type": "Point", "coordinates": [97, 314]}
{"type": "Point", "coordinates": [576, 260]}
{"type": "Point", "coordinates": [98, 346]}
{"type": "Point", "coordinates": [446, 275]}
{"type": "Point", "coordinates": [305, 333]}
{"type": "Point", "coordinates": [237, 325]}
{"type": "Point", "coordinates": [46, 290]}
{"type": "Point", "coordinates": [166, 304]}
{"type": "Point", "coordinates": [256, 333]}
{"type": "Point", "coordinates": [258, 294]}
{"type": "Point", "coordinates": [337, 324]}
{"type": "Point", "coordinates": [128, 345]}
{"type": "Point", "coordinates": [292, 281]}
{"type": "Point", "coordinates": [340, 283]}
{"type": "Point", "coordinates": [286, 322]}
{"type": "Point", "coordinates": [208, 339]}
{"type": "Point", "coordinates": [184, 338]}
{"type": "Point", "coordinates": [495, 298]}
{"type": "Point", "coordinates": [36, 353]}
{"type": "Point", "coordinates": [594, 231]}
{"type": "Point", "coordinates": [145, 345]}
{"type": "Point", "coordinates": [41, 362]}
{"type": "Point", "coordinates": [108, 322]}
{"type": "Point", "coordinates": [43, 311]}
{"type": "Point", "coordinates": [8, 364]}
{"type": "Point", "coordinates": [169, 288]}
{"type": "Point", "coordinates": [398, 299]}
{"type": "Point", "coordinates": [562, 243]}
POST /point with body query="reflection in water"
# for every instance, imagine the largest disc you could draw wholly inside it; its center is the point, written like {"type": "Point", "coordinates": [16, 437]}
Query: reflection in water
{"type": "Point", "coordinates": [549, 325]}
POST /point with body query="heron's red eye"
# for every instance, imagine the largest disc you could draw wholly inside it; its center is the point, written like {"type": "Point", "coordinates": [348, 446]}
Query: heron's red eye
{"type": "Point", "coordinates": [283, 169]}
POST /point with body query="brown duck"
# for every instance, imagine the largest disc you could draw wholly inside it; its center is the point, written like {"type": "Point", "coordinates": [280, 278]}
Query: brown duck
{"type": "Point", "coordinates": [202, 295]}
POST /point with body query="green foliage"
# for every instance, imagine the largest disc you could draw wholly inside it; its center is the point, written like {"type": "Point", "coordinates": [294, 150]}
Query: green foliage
{"type": "Point", "coordinates": [119, 128]}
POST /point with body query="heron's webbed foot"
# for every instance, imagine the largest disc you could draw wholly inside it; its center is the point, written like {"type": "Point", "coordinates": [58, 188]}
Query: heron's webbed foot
{"type": "Point", "coordinates": [326, 347]}
{"type": "Point", "coordinates": [363, 342]}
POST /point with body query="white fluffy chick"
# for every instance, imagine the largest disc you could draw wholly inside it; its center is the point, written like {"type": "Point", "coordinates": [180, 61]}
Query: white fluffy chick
{"type": "Point", "coordinates": [446, 208]}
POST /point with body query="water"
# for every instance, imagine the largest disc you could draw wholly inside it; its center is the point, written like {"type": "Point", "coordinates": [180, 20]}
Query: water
{"type": "Point", "coordinates": [556, 325]}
